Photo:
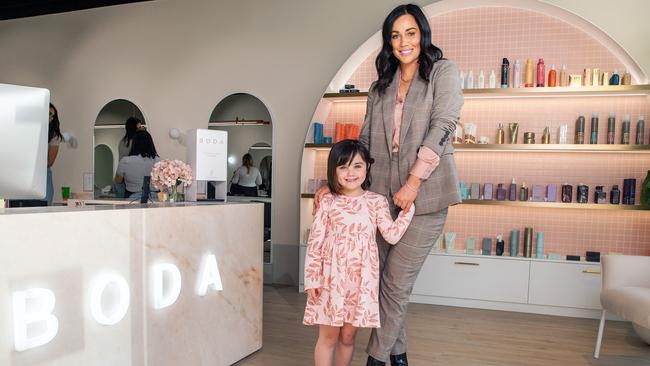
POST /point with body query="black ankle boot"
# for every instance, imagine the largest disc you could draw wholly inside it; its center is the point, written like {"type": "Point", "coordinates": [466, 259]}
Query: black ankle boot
{"type": "Point", "coordinates": [398, 360]}
{"type": "Point", "coordinates": [373, 362]}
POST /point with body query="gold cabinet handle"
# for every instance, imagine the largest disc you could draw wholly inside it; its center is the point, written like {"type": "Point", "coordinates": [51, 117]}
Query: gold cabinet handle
{"type": "Point", "coordinates": [467, 263]}
{"type": "Point", "coordinates": [591, 271]}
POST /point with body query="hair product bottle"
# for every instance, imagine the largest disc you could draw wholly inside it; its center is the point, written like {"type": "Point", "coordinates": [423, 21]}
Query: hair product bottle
{"type": "Point", "coordinates": [580, 129]}
{"type": "Point", "coordinates": [492, 80]}
{"type": "Point", "coordinates": [462, 80]}
{"type": "Point", "coordinates": [586, 79]}
{"type": "Point", "coordinates": [481, 80]}
{"type": "Point", "coordinates": [512, 192]}
{"type": "Point", "coordinates": [627, 78]}
{"type": "Point", "coordinates": [611, 128]}
{"type": "Point", "coordinates": [552, 76]}
{"type": "Point", "coordinates": [546, 136]}
{"type": "Point", "coordinates": [625, 136]}
{"type": "Point", "coordinates": [529, 83]}
{"type": "Point", "coordinates": [523, 192]}
{"type": "Point", "coordinates": [640, 130]}
{"type": "Point", "coordinates": [500, 134]}
{"type": "Point", "coordinates": [513, 129]}
{"type": "Point", "coordinates": [615, 79]}
{"type": "Point", "coordinates": [541, 73]}
{"type": "Point", "coordinates": [564, 76]}
{"type": "Point", "coordinates": [470, 80]}
{"type": "Point", "coordinates": [505, 70]}
{"type": "Point", "coordinates": [595, 78]}
{"type": "Point", "coordinates": [516, 75]}
{"type": "Point", "coordinates": [615, 195]}
{"type": "Point", "coordinates": [514, 243]}
{"type": "Point", "coordinates": [594, 128]}
{"type": "Point", "coordinates": [540, 245]}
{"type": "Point", "coordinates": [500, 245]}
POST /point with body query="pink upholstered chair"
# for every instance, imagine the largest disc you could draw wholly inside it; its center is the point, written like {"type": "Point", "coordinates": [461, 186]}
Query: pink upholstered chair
{"type": "Point", "coordinates": [626, 292]}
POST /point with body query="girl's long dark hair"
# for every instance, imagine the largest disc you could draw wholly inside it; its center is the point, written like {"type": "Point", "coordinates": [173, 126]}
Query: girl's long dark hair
{"type": "Point", "coordinates": [387, 63]}
{"type": "Point", "coordinates": [142, 144]}
{"type": "Point", "coordinates": [54, 127]}
{"type": "Point", "coordinates": [131, 127]}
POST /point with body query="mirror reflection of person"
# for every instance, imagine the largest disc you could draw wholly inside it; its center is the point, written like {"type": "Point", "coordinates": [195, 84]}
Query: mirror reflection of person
{"type": "Point", "coordinates": [54, 138]}
{"type": "Point", "coordinates": [133, 168]}
{"type": "Point", "coordinates": [246, 178]}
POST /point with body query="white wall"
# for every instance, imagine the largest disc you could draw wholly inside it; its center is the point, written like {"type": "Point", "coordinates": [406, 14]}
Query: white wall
{"type": "Point", "coordinates": [185, 55]}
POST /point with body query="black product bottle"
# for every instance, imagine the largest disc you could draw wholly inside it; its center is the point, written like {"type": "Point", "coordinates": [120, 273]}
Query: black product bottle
{"type": "Point", "coordinates": [615, 195]}
{"type": "Point", "coordinates": [505, 69]}
{"type": "Point", "coordinates": [500, 244]}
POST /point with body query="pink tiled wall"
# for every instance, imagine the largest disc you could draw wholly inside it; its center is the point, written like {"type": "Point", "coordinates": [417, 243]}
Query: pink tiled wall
{"type": "Point", "coordinates": [478, 39]}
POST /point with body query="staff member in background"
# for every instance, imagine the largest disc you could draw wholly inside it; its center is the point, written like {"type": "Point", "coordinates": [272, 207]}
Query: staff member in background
{"type": "Point", "coordinates": [133, 168]}
{"type": "Point", "coordinates": [246, 178]}
{"type": "Point", "coordinates": [132, 125]}
{"type": "Point", "coordinates": [54, 138]}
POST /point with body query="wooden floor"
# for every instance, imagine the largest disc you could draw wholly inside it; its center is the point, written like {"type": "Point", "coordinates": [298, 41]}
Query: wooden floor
{"type": "Point", "coordinates": [440, 335]}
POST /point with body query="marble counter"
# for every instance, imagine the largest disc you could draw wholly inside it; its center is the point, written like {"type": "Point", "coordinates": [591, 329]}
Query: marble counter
{"type": "Point", "coordinates": [69, 251]}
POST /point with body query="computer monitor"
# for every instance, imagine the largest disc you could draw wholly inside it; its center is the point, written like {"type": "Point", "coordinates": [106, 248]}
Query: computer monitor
{"type": "Point", "coordinates": [24, 117]}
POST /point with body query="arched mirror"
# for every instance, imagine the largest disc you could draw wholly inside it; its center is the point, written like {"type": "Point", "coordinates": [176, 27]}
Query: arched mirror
{"type": "Point", "coordinates": [110, 144]}
{"type": "Point", "coordinates": [250, 151]}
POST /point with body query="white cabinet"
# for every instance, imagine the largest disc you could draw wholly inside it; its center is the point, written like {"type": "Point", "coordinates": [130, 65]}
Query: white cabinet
{"type": "Point", "coordinates": [473, 277]}
{"type": "Point", "coordinates": [575, 285]}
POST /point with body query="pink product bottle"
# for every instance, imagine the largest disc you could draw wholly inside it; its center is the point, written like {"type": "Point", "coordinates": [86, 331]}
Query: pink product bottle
{"type": "Point", "coordinates": [541, 72]}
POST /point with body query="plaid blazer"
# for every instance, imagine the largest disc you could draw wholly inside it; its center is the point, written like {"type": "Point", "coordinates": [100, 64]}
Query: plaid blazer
{"type": "Point", "coordinates": [431, 111]}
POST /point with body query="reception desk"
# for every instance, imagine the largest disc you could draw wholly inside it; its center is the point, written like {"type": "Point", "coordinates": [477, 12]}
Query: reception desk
{"type": "Point", "coordinates": [177, 284]}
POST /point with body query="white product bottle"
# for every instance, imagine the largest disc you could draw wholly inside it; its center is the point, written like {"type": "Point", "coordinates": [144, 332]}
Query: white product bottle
{"type": "Point", "coordinates": [493, 80]}
{"type": "Point", "coordinates": [462, 80]}
{"type": "Point", "coordinates": [470, 80]}
{"type": "Point", "coordinates": [481, 80]}
{"type": "Point", "coordinates": [516, 74]}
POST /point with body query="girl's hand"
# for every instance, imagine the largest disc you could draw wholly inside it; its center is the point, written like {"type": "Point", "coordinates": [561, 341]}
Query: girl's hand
{"type": "Point", "coordinates": [405, 197]}
{"type": "Point", "coordinates": [313, 293]}
{"type": "Point", "coordinates": [322, 191]}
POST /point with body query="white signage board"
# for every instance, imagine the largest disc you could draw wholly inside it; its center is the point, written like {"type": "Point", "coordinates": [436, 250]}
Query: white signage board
{"type": "Point", "coordinates": [207, 154]}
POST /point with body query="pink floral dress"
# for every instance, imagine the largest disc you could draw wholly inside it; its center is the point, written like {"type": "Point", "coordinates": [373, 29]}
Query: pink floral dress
{"type": "Point", "coordinates": [342, 258]}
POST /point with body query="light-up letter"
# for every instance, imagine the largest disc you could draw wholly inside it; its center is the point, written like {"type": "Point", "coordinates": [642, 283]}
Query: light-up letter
{"type": "Point", "coordinates": [158, 273]}
{"type": "Point", "coordinates": [208, 275]}
{"type": "Point", "coordinates": [39, 310]}
{"type": "Point", "coordinates": [122, 305]}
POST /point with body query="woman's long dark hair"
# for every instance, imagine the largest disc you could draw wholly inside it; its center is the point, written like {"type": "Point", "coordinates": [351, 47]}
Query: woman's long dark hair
{"type": "Point", "coordinates": [387, 63]}
{"type": "Point", "coordinates": [131, 127]}
{"type": "Point", "coordinates": [54, 127]}
{"type": "Point", "coordinates": [142, 144]}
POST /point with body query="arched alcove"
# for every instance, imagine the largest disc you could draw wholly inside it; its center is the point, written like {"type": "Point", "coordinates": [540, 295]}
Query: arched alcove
{"type": "Point", "coordinates": [109, 132]}
{"type": "Point", "coordinates": [250, 131]}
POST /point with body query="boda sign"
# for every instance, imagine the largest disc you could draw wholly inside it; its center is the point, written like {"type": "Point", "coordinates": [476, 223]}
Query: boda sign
{"type": "Point", "coordinates": [33, 307]}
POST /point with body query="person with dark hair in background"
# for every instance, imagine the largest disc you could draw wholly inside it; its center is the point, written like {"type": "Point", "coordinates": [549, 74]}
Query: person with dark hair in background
{"type": "Point", "coordinates": [411, 116]}
{"type": "Point", "coordinates": [133, 168]}
{"type": "Point", "coordinates": [246, 178]}
{"type": "Point", "coordinates": [54, 138]}
{"type": "Point", "coordinates": [132, 125]}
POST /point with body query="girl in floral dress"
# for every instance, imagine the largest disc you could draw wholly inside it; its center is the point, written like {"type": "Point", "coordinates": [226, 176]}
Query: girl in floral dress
{"type": "Point", "coordinates": [342, 262]}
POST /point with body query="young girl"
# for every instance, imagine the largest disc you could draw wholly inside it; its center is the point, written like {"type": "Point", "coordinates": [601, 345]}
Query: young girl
{"type": "Point", "coordinates": [342, 263]}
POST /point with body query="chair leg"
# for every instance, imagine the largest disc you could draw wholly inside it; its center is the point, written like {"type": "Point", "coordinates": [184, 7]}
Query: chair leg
{"type": "Point", "coordinates": [601, 328]}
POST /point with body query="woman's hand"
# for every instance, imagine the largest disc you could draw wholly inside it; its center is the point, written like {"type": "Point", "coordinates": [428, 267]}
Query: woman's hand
{"type": "Point", "coordinates": [322, 191]}
{"type": "Point", "coordinates": [405, 197]}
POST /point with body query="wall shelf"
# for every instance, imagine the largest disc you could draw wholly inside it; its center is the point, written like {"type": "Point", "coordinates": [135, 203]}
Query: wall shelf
{"type": "Point", "coordinates": [547, 92]}
{"type": "Point", "coordinates": [531, 204]}
{"type": "Point", "coordinates": [532, 147]}
{"type": "Point", "coordinates": [573, 205]}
